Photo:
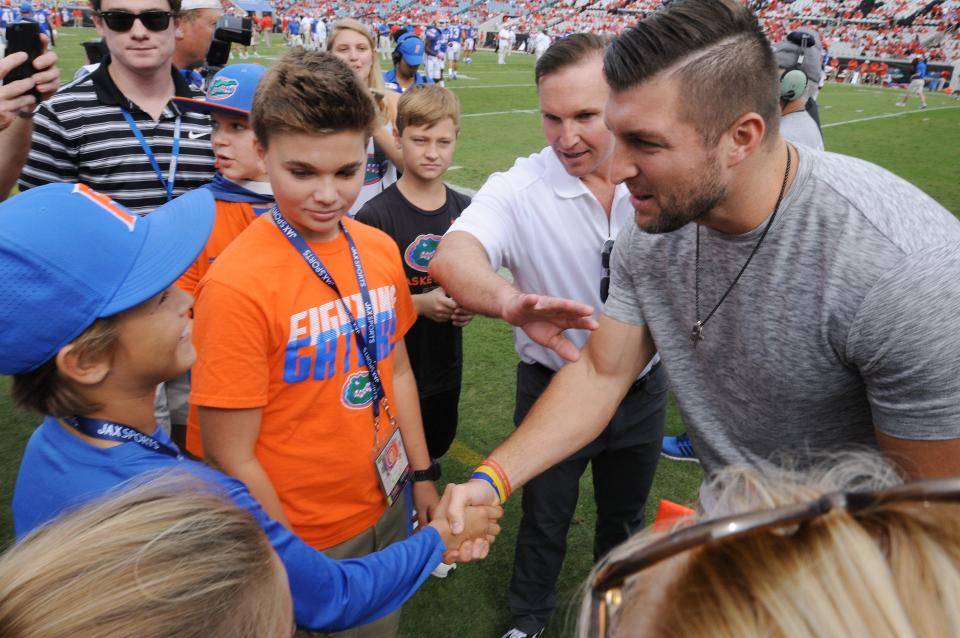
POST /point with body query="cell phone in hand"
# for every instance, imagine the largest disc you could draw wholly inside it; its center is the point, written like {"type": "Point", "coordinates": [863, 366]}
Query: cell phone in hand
{"type": "Point", "coordinates": [24, 36]}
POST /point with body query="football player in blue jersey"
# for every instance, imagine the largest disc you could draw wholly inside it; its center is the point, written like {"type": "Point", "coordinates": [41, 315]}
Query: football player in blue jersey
{"type": "Point", "coordinates": [454, 46]}
{"type": "Point", "coordinates": [432, 61]}
{"type": "Point", "coordinates": [470, 44]}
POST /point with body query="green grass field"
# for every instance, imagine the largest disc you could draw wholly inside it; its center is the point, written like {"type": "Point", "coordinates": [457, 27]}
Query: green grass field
{"type": "Point", "coordinates": [500, 123]}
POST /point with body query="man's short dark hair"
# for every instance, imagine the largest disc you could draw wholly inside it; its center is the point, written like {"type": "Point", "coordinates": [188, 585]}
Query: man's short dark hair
{"type": "Point", "coordinates": [716, 49]}
{"type": "Point", "coordinates": [569, 51]}
{"type": "Point", "coordinates": [174, 6]}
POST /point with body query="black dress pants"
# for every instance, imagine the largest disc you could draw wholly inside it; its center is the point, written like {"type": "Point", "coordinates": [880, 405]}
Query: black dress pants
{"type": "Point", "coordinates": [623, 459]}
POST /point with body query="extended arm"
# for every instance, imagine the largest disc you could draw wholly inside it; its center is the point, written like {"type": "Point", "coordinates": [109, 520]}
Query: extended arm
{"type": "Point", "coordinates": [462, 267]}
{"type": "Point", "coordinates": [330, 595]}
{"type": "Point", "coordinates": [14, 99]}
{"type": "Point", "coordinates": [411, 428]}
{"type": "Point", "coordinates": [922, 459]}
{"type": "Point", "coordinates": [573, 410]}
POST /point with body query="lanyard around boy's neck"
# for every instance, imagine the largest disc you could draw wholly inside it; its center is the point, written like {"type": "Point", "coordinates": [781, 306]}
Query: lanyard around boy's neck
{"type": "Point", "coordinates": [367, 344]}
{"type": "Point", "coordinates": [168, 182]}
{"type": "Point", "coordinates": [113, 431]}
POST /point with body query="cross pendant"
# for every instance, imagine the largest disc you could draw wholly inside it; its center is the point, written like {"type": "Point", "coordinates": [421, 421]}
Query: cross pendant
{"type": "Point", "coordinates": [696, 334]}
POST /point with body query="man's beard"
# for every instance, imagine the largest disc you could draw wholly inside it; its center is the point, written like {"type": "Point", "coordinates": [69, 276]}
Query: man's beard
{"type": "Point", "coordinates": [681, 208]}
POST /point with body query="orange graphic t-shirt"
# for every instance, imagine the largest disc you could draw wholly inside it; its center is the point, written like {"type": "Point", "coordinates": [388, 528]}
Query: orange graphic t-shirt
{"type": "Point", "coordinates": [231, 220]}
{"type": "Point", "coordinates": [271, 335]}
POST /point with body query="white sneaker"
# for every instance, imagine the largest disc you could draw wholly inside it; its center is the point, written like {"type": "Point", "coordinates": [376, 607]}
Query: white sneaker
{"type": "Point", "coordinates": [443, 570]}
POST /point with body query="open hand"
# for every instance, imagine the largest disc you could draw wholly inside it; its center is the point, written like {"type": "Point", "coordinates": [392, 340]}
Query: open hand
{"type": "Point", "coordinates": [545, 318]}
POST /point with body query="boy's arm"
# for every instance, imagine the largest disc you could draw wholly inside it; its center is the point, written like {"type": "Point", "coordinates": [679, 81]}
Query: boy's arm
{"type": "Point", "coordinates": [425, 497]}
{"type": "Point", "coordinates": [229, 439]}
{"type": "Point", "coordinates": [330, 595]}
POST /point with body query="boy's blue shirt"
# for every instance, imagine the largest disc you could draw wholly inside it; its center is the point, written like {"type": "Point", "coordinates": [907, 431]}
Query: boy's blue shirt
{"type": "Point", "coordinates": [60, 471]}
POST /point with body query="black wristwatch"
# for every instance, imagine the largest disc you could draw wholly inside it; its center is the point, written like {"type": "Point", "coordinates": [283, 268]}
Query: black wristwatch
{"type": "Point", "coordinates": [432, 473]}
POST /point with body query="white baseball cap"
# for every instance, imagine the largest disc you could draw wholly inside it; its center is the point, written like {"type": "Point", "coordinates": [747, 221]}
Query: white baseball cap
{"type": "Point", "coordinates": [190, 5]}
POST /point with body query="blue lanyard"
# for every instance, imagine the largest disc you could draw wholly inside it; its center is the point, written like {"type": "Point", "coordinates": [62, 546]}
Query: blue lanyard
{"type": "Point", "coordinates": [368, 344]}
{"type": "Point", "coordinates": [174, 154]}
{"type": "Point", "coordinates": [113, 431]}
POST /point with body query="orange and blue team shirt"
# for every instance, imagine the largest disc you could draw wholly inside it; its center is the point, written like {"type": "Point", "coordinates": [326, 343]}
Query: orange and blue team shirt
{"type": "Point", "coordinates": [237, 207]}
{"type": "Point", "coordinates": [270, 335]}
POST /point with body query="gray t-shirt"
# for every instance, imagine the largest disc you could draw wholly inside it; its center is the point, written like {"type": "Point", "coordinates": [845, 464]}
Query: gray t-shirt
{"type": "Point", "coordinates": [798, 127]}
{"type": "Point", "coordinates": [846, 320]}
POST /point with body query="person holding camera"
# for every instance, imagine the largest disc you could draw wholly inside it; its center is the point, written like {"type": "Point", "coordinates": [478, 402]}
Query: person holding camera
{"type": "Point", "coordinates": [117, 129]}
{"type": "Point", "coordinates": [18, 98]}
{"type": "Point", "coordinates": [195, 32]}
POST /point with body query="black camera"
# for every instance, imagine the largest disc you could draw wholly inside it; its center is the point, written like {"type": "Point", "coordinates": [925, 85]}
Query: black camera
{"type": "Point", "coordinates": [230, 29]}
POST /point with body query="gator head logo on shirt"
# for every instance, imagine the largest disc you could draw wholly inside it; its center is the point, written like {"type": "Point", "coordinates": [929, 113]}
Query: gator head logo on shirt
{"type": "Point", "coordinates": [419, 253]}
{"type": "Point", "coordinates": [375, 171]}
{"type": "Point", "coordinates": [222, 88]}
{"type": "Point", "coordinates": [357, 391]}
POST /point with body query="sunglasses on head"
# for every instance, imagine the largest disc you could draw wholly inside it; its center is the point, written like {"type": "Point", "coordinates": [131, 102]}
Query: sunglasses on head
{"type": "Point", "coordinates": [122, 21]}
{"type": "Point", "coordinates": [610, 579]}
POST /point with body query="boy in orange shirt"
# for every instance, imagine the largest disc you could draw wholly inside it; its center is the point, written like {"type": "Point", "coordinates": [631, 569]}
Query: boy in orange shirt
{"type": "Point", "coordinates": [241, 186]}
{"type": "Point", "coordinates": [302, 372]}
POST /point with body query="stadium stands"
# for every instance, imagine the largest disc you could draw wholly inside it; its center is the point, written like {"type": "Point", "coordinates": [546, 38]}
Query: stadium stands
{"type": "Point", "coordinates": [892, 31]}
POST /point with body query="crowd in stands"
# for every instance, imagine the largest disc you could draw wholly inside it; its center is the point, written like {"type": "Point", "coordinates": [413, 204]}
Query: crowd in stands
{"type": "Point", "coordinates": [899, 30]}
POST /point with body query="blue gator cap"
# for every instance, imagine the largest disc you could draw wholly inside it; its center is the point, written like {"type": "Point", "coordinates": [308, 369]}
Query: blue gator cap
{"type": "Point", "coordinates": [230, 91]}
{"type": "Point", "coordinates": [70, 255]}
{"type": "Point", "coordinates": [412, 49]}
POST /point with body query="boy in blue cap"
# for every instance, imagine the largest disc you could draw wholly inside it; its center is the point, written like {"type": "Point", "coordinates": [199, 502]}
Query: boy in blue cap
{"type": "Point", "coordinates": [240, 187]}
{"type": "Point", "coordinates": [407, 58]}
{"type": "Point", "coordinates": [90, 323]}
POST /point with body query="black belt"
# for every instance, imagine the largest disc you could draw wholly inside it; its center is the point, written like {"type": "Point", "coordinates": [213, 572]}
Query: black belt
{"type": "Point", "coordinates": [637, 385]}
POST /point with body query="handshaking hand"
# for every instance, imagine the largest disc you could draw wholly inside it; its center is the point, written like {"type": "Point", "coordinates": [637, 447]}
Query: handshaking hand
{"type": "Point", "coordinates": [478, 528]}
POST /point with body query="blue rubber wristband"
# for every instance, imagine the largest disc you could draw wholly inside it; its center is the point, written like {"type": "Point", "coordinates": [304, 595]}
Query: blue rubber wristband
{"type": "Point", "coordinates": [484, 477]}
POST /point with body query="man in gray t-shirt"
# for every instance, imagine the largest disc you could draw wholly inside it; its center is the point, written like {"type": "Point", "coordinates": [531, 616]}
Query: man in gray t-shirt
{"type": "Point", "coordinates": [839, 329]}
{"type": "Point", "coordinates": [800, 301]}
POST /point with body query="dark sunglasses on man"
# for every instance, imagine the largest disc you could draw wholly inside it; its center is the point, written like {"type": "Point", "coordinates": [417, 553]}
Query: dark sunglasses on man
{"type": "Point", "coordinates": [122, 21]}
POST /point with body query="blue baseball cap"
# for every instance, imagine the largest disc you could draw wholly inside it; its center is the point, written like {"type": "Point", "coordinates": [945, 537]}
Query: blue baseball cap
{"type": "Point", "coordinates": [70, 255]}
{"type": "Point", "coordinates": [230, 91]}
{"type": "Point", "coordinates": [411, 48]}
{"type": "Point", "coordinates": [26, 7]}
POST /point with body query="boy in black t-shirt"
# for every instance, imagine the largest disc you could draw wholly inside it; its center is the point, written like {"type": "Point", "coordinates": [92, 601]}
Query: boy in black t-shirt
{"type": "Point", "coordinates": [416, 211]}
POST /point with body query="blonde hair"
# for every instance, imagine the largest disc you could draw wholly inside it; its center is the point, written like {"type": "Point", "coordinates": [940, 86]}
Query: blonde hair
{"type": "Point", "coordinates": [893, 571]}
{"type": "Point", "coordinates": [44, 390]}
{"type": "Point", "coordinates": [375, 76]}
{"type": "Point", "coordinates": [169, 558]}
{"type": "Point", "coordinates": [426, 105]}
